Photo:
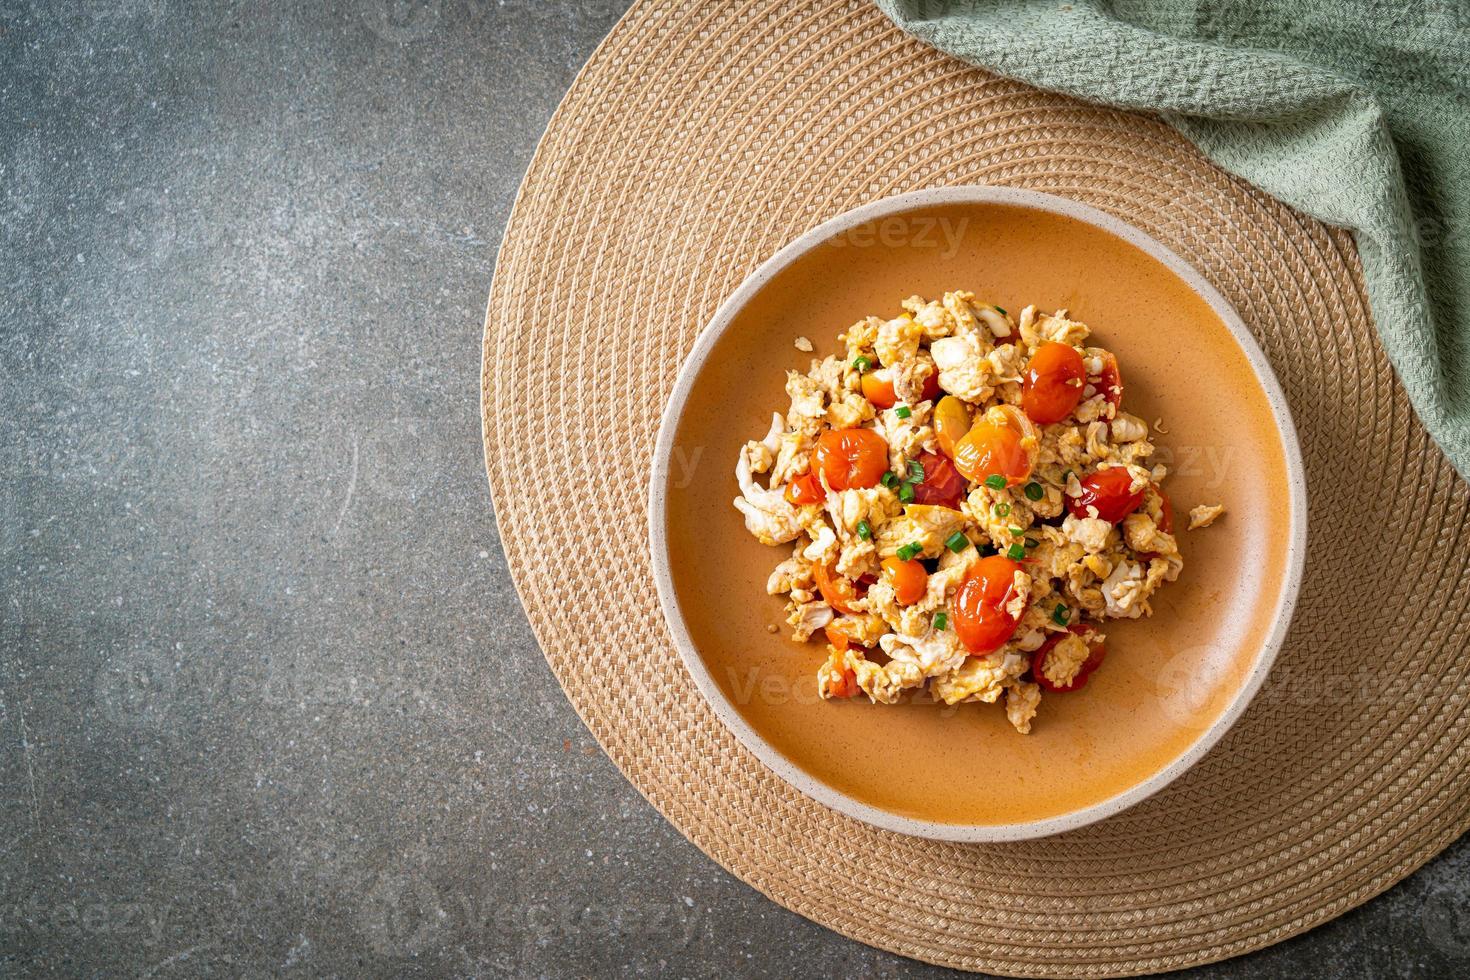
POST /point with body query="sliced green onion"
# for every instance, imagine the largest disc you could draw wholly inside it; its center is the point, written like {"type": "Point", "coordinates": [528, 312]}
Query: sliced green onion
{"type": "Point", "coordinates": [890, 480]}
{"type": "Point", "coordinates": [1016, 532]}
{"type": "Point", "coordinates": [941, 621]}
{"type": "Point", "coordinates": [908, 551]}
{"type": "Point", "coordinates": [1033, 491]}
{"type": "Point", "coordinates": [1061, 614]}
{"type": "Point", "coordinates": [916, 471]}
{"type": "Point", "coordinates": [903, 411]}
{"type": "Point", "coordinates": [861, 364]}
{"type": "Point", "coordinates": [1032, 542]}
{"type": "Point", "coordinates": [906, 493]}
{"type": "Point", "coordinates": [1016, 552]}
{"type": "Point", "coordinates": [1002, 509]}
{"type": "Point", "coordinates": [1000, 310]}
{"type": "Point", "coordinates": [957, 542]}
{"type": "Point", "coordinates": [864, 530]}
{"type": "Point", "coordinates": [995, 481]}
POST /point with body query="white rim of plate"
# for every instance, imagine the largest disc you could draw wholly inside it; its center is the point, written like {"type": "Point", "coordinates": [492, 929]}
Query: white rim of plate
{"type": "Point", "coordinates": [834, 798]}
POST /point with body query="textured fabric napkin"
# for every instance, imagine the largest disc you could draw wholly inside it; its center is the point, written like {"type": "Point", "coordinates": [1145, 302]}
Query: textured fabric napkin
{"type": "Point", "coordinates": [1353, 111]}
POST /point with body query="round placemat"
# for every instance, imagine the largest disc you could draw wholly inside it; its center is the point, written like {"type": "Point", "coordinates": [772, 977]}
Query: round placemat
{"type": "Point", "coordinates": [699, 139]}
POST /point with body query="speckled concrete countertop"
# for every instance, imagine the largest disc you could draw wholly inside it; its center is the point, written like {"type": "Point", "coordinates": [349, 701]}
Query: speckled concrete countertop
{"type": "Point", "coordinates": [268, 704]}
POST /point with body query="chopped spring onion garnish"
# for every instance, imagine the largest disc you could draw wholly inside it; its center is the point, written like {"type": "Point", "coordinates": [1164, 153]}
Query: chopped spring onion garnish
{"type": "Point", "coordinates": [1033, 491]}
{"type": "Point", "coordinates": [861, 364]}
{"type": "Point", "coordinates": [1016, 552]}
{"type": "Point", "coordinates": [903, 411]}
{"type": "Point", "coordinates": [916, 471]}
{"type": "Point", "coordinates": [995, 481]}
{"type": "Point", "coordinates": [1061, 614]}
{"type": "Point", "coordinates": [908, 551]}
{"type": "Point", "coordinates": [1002, 509]}
{"type": "Point", "coordinates": [1000, 310]}
{"type": "Point", "coordinates": [1016, 532]}
{"type": "Point", "coordinates": [864, 530]}
{"type": "Point", "coordinates": [957, 542]}
{"type": "Point", "coordinates": [941, 621]}
{"type": "Point", "coordinates": [890, 480]}
{"type": "Point", "coordinates": [906, 493]}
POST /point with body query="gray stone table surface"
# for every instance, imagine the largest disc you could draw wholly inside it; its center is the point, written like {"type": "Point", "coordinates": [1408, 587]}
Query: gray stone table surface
{"type": "Point", "coordinates": [268, 703]}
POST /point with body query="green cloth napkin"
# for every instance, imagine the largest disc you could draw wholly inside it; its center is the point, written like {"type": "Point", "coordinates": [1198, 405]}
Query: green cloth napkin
{"type": "Point", "coordinates": [1353, 111]}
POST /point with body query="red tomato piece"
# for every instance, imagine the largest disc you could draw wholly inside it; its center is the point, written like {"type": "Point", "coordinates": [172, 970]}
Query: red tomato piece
{"type": "Point", "coordinates": [942, 483]}
{"type": "Point", "coordinates": [805, 489]}
{"type": "Point", "coordinates": [1107, 491]}
{"type": "Point", "coordinates": [910, 580]}
{"type": "Point", "coordinates": [1110, 380]}
{"type": "Point", "coordinates": [847, 686]}
{"type": "Point", "coordinates": [1003, 442]}
{"type": "Point", "coordinates": [878, 388]}
{"type": "Point", "coordinates": [980, 617]}
{"type": "Point", "coordinates": [951, 422]}
{"type": "Point", "coordinates": [931, 387]}
{"type": "Point", "coordinates": [1166, 518]}
{"type": "Point", "coordinates": [838, 590]}
{"type": "Point", "coordinates": [1053, 383]}
{"type": "Point", "coordinates": [851, 458]}
{"type": "Point", "coordinates": [1095, 654]}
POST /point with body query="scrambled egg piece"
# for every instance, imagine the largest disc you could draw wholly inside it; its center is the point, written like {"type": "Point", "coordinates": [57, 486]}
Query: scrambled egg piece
{"type": "Point", "coordinates": [898, 341]}
{"type": "Point", "coordinates": [1204, 515]}
{"type": "Point", "coordinates": [1076, 566]}
{"type": "Point", "coordinates": [921, 524]}
{"type": "Point", "coordinates": [1065, 660]}
{"type": "Point", "coordinates": [1022, 700]}
{"type": "Point", "coordinates": [979, 678]}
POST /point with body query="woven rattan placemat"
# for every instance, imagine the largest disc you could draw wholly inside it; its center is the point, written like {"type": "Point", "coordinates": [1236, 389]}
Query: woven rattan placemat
{"type": "Point", "coordinates": [699, 139]}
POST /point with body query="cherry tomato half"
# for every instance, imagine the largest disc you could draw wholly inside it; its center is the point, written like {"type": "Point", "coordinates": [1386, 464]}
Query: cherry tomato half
{"type": "Point", "coordinates": [805, 489]}
{"type": "Point", "coordinates": [1166, 515]}
{"type": "Point", "coordinates": [1095, 655]}
{"type": "Point", "coordinates": [851, 458]}
{"type": "Point", "coordinates": [838, 590]}
{"type": "Point", "coordinates": [1110, 380]}
{"type": "Point", "coordinates": [980, 616]}
{"type": "Point", "coordinates": [1003, 442]}
{"type": "Point", "coordinates": [909, 579]}
{"type": "Point", "coordinates": [1108, 491]}
{"type": "Point", "coordinates": [942, 483]}
{"type": "Point", "coordinates": [951, 422]}
{"type": "Point", "coordinates": [1053, 383]}
{"type": "Point", "coordinates": [878, 387]}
